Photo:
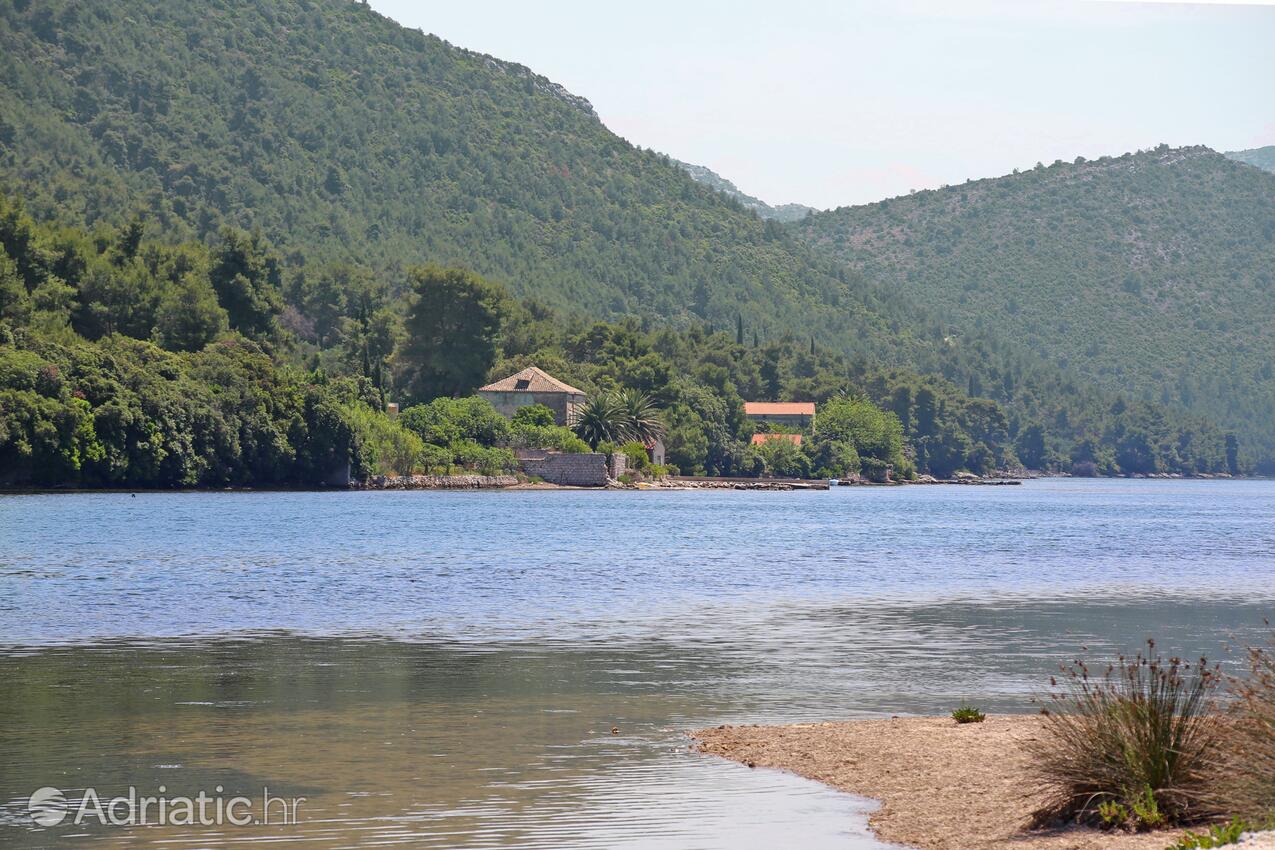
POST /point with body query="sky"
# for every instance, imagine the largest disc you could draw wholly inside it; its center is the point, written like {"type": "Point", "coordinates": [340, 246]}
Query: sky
{"type": "Point", "coordinates": [836, 103]}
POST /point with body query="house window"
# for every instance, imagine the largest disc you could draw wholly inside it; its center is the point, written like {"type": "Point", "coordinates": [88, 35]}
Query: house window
{"type": "Point", "coordinates": [522, 384]}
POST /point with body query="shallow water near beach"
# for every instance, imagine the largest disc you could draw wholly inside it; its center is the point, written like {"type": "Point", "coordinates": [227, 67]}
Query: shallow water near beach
{"type": "Point", "coordinates": [518, 669]}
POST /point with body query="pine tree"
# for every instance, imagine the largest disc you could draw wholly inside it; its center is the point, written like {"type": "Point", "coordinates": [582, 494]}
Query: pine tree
{"type": "Point", "coordinates": [453, 325]}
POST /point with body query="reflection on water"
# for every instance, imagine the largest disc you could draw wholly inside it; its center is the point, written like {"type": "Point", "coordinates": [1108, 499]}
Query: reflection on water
{"type": "Point", "coordinates": [443, 670]}
{"type": "Point", "coordinates": [398, 742]}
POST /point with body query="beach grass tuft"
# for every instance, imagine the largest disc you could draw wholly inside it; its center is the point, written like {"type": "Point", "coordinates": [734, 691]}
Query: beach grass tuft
{"type": "Point", "coordinates": [1248, 783]}
{"type": "Point", "coordinates": [1134, 747]}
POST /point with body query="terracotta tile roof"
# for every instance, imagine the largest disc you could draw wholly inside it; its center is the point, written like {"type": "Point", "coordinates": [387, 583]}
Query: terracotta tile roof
{"type": "Point", "coordinates": [758, 439]}
{"type": "Point", "coordinates": [530, 380]}
{"type": "Point", "coordinates": [779, 408]}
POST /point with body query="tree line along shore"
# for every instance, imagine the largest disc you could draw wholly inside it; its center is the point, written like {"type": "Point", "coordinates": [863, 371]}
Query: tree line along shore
{"type": "Point", "coordinates": [127, 362]}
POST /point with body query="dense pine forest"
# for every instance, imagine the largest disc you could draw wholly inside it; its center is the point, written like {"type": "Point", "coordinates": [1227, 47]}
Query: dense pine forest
{"type": "Point", "coordinates": [221, 222]}
{"type": "Point", "coordinates": [343, 136]}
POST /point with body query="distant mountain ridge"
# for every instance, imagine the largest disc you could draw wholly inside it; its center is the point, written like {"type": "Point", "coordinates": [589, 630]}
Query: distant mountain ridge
{"type": "Point", "coordinates": [709, 177]}
{"type": "Point", "coordinates": [1152, 274]}
{"type": "Point", "coordinates": [1263, 158]}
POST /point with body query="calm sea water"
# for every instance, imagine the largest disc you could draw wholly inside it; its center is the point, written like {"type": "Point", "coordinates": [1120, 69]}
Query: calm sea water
{"type": "Point", "coordinates": [446, 669]}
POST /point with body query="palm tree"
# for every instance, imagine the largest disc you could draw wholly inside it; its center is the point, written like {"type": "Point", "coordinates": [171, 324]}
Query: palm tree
{"type": "Point", "coordinates": [642, 417]}
{"type": "Point", "coordinates": [602, 419]}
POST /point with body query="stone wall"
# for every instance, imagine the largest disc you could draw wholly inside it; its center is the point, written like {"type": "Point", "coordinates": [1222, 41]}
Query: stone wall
{"type": "Point", "coordinates": [588, 469]}
{"type": "Point", "coordinates": [619, 464]}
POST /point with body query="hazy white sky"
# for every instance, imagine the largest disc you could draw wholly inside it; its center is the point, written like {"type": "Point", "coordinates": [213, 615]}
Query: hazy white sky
{"type": "Point", "coordinates": [831, 103]}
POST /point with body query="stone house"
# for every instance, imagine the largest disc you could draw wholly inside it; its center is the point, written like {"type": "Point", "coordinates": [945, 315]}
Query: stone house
{"type": "Point", "coordinates": [656, 452]}
{"type": "Point", "coordinates": [534, 386]}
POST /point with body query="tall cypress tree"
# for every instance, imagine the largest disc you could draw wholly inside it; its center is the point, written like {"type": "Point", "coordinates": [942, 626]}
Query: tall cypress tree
{"type": "Point", "coordinates": [453, 325]}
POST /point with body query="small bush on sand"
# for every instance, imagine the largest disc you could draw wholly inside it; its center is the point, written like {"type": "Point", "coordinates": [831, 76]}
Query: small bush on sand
{"type": "Point", "coordinates": [968, 714]}
{"type": "Point", "coordinates": [1248, 783]}
{"type": "Point", "coordinates": [1218, 835]}
{"type": "Point", "coordinates": [1134, 748]}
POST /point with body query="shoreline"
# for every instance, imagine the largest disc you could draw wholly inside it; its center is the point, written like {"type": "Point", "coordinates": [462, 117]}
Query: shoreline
{"type": "Point", "coordinates": [514, 484]}
{"type": "Point", "coordinates": [940, 785]}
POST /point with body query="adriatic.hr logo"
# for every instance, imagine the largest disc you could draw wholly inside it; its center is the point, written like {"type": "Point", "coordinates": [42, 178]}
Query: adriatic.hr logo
{"type": "Point", "coordinates": [49, 807]}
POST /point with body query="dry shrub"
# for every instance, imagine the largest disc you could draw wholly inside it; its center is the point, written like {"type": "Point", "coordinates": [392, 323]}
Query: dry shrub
{"type": "Point", "coordinates": [1248, 783]}
{"type": "Point", "coordinates": [1137, 747]}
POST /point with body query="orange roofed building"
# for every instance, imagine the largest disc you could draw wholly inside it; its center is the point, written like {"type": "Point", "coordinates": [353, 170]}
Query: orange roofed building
{"type": "Point", "coordinates": [758, 439]}
{"type": "Point", "coordinates": [794, 414]}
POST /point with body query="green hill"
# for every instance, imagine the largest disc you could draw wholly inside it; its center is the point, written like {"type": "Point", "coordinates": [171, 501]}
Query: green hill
{"type": "Point", "coordinates": [1150, 273]}
{"type": "Point", "coordinates": [343, 137]}
{"type": "Point", "coordinates": [1263, 158]}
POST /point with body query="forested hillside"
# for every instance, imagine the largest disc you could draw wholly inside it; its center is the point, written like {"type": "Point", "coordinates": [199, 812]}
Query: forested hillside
{"type": "Point", "coordinates": [342, 135]}
{"type": "Point", "coordinates": [1150, 273]}
{"type": "Point", "coordinates": [126, 362]}
{"type": "Point", "coordinates": [288, 163]}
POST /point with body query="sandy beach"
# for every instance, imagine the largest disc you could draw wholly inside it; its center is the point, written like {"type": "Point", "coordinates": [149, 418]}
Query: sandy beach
{"type": "Point", "coordinates": [942, 786]}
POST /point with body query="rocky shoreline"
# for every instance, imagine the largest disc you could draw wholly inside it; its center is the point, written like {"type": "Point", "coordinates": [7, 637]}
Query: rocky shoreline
{"type": "Point", "coordinates": [436, 482]}
{"type": "Point", "coordinates": [966, 480]}
{"type": "Point", "coordinates": [515, 482]}
{"type": "Point", "coordinates": [506, 482]}
{"type": "Point", "coordinates": [693, 483]}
